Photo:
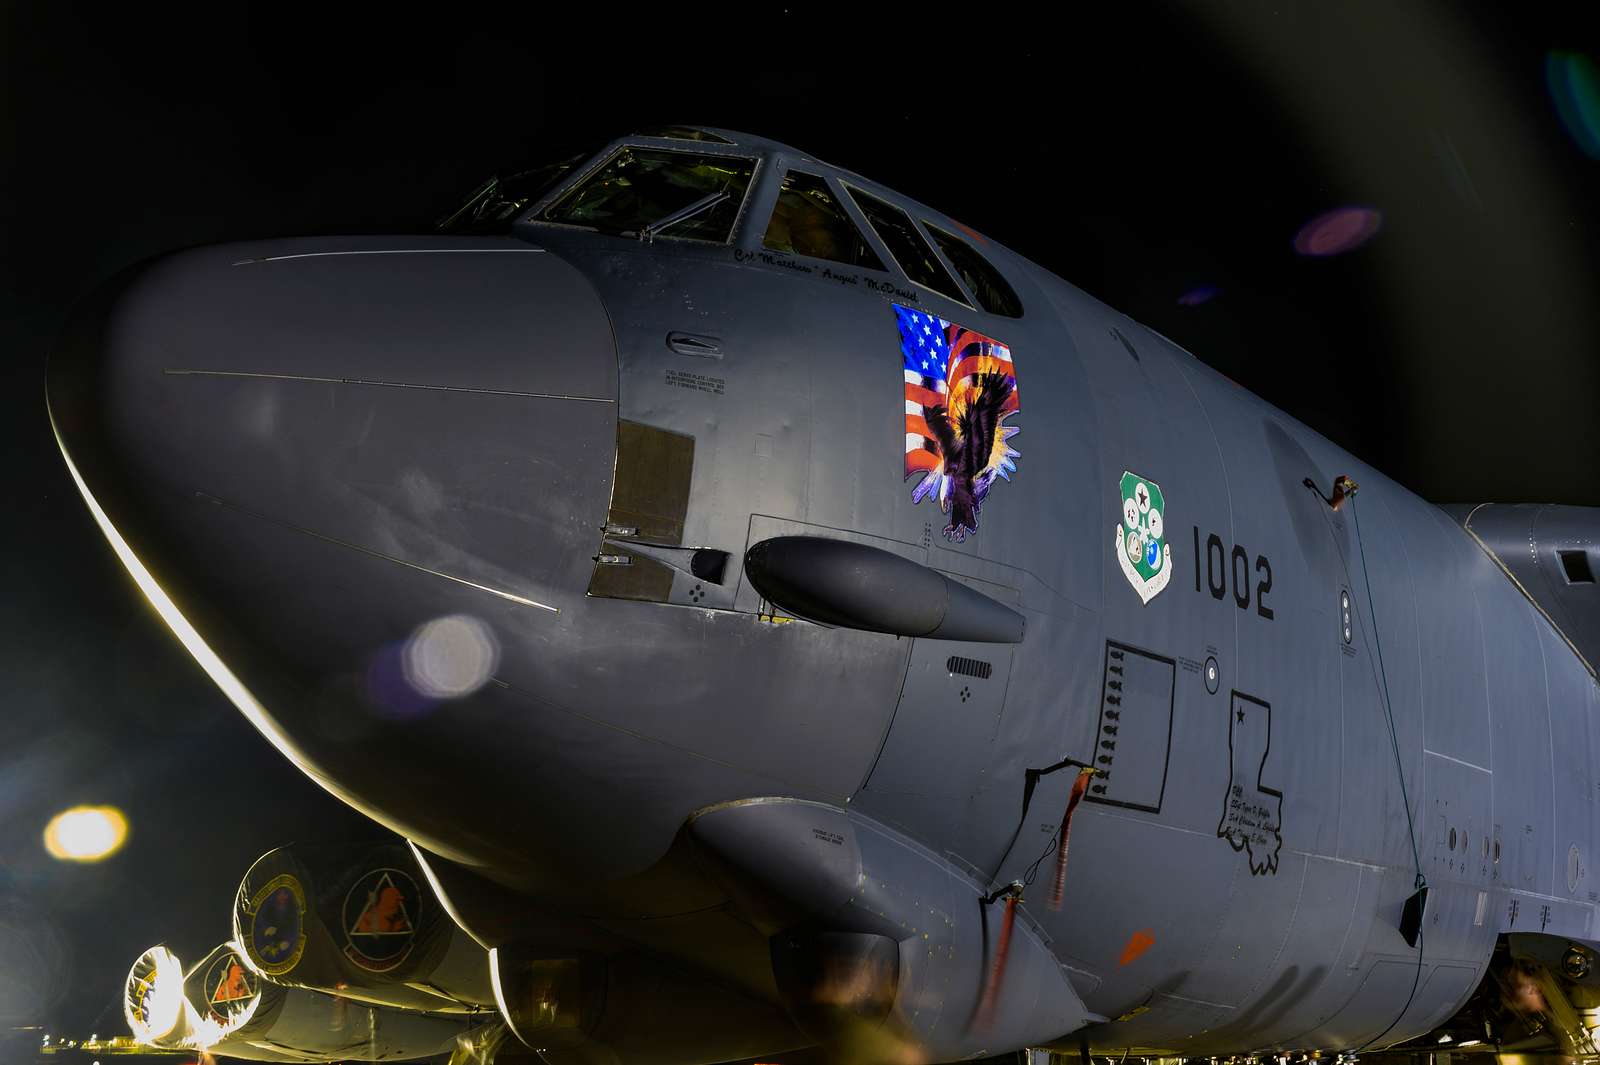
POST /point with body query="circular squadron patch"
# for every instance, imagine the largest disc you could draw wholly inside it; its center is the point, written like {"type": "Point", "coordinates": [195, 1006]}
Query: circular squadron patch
{"type": "Point", "coordinates": [275, 936]}
{"type": "Point", "coordinates": [1139, 540]}
{"type": "Point", "coordinates": [230, 989]}
{"type": "Point", "coordinates": [379, 919]}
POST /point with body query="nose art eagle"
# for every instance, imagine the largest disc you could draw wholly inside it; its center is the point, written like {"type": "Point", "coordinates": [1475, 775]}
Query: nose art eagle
{"type": "Point", "coordinates": [960, 388]}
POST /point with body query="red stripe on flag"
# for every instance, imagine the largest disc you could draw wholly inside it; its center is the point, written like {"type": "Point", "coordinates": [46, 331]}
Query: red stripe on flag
{"type": "Point", "coordinates": [973, 363]}
{"type": "Point", "coordinates": [960, 339]}
{"type": "Point", "coordinates": [919, 425]}
{"type": "Point", "coordinates": [919, 459]}
{"type": "Point", "coordinates": [927, 397]}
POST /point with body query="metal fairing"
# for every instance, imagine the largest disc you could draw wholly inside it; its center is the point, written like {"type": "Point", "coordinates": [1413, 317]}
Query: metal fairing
{"type": "Point", "coordinates": [314, 447]}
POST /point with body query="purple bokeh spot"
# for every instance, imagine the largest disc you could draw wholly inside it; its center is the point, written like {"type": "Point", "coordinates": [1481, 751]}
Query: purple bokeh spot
{"type": "Point", "coordinates": [388, 691]}
{"type": "Point", "coordinates": [1338, 231]}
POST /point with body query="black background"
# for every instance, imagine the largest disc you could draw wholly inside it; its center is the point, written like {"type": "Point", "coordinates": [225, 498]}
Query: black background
{"type": "Point", "coordinates": [1138, 153]}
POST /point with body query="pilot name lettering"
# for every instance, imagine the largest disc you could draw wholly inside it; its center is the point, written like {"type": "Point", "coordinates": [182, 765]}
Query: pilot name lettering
{"type": "Point", "coordinates": [767, 258]}
{"type": "Point", "coordinates": [888, 288]}
{"type": "Point", "coordinates": [784, 262]}
{"type": "Point", "coordinates": [788, 264]}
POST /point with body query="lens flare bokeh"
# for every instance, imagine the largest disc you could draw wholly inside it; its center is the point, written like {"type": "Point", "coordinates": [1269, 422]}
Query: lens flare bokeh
{"type": "Point", "coordinates": [1574, 83]}
{"type": "Point", "coordinates": [450, 657]}
{"type": "Point", "coordinates": [1338, 231]}
{"type": "Point", "coordinates": [86, 833]}
{"type": "Point", "coordinates": [1198, 295]}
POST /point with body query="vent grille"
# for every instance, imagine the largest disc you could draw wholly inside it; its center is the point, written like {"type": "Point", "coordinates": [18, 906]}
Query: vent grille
{"type": "Point", "coordinates": [968, 667]}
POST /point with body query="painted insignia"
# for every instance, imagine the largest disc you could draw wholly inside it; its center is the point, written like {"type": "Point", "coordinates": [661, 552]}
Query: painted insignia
{"type": "Point", "coordinates": [141, 1003]}
{"type": "Point", "coordinates": [149, 1005]}
{"type": "Point", "coordinates": [1139, 539]}
{"type": "Point", "coordinates": [275, 937]}
{"type": "Point", "coordinates": [230, 988]}
{"type": "Point", "coordinates": [1252, 813]}
{"type": "Point", "coordinates": [960, 387]}
{"type": "Point", "coordinates": [379, 919]}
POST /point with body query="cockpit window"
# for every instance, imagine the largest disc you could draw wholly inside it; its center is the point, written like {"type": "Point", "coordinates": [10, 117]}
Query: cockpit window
{"type": "Point", "coordinates": [683, 133]}
{"type": "Point", "coordinates": [807, 220]}
{"type": "Point", "coordinates": [895, 228]}
{"type": "Point", "coordinates": [646, 192]}
{"type": "Point", "coordinates": [983, 280]}
{"type": "Point", "coordinates": [495, 204]}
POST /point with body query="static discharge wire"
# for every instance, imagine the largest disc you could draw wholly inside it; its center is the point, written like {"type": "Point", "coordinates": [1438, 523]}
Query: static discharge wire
{"type": "Point", "coordinates": [1388, 706]}
{"type": "Point", "coordinates": [1421, 882]}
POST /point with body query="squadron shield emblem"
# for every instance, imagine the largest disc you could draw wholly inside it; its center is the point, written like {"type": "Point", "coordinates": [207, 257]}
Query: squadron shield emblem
{"type": "Point", "coordinates": [1139, 539]}
{"type": "Point", "coordinates": [230, 989]}
{"type": "Point", "coordinates": [275, 938]}
{"type": "Point", "coordinates": [379, 919]}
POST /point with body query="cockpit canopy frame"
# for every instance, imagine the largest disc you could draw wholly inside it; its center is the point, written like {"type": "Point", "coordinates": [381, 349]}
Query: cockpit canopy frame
{"type": "Point", "coordinates": [973, 282]}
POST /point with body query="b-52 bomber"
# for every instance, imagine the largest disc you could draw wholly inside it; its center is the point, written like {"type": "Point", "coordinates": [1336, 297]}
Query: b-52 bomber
{"type": "Point", "coordinates": [741, 700]}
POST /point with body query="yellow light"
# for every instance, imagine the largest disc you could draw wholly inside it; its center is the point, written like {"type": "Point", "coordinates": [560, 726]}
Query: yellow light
{"type": "Point", "coordinates": [208, 660]}
{"type": "Point", "coordinates": [85, 833]}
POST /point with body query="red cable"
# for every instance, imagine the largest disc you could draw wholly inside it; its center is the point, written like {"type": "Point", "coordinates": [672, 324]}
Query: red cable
{"type": "Point", "coordinates": [1075, 796]}
{"type": "Point", "coordinates": [997, 971]}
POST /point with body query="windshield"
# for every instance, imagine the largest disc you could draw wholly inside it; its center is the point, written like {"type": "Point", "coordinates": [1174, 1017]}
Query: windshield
{"type": "Point", "coordinates": [807, 220]}
{"type": "Point", "coordinates": [993, 292]}
{"type": "Point", "coordinates": [495, 204]}
{"type": "Point", "coordinates": [895, 228]}
{"type": "Point", "coordinates": [642, 189]}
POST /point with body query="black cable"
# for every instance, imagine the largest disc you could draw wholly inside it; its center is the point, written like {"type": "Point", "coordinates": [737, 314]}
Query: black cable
{"type": "Point", "coordinates": [1388, 706]}
{"type": "Point", "coordinates": [1420, 883]}
{"type": "Point", "coordinates": [1049, 849]}
{"type": "Point", "coordinates": [1030, 782]}
{"type": "Point", "coordinates": [1309, 483]}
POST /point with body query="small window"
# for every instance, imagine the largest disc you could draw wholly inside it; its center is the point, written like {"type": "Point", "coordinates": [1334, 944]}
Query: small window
{"type": "Point", "coordinates": [683, 133]}
{"type": "Point", "coordinates": [495, 204]}
{"type": "Point", "coordinates": [983, 280]}
{"type": "Point", "coordinates": [650, 192]}
{"type": "Point", "coordinates": [1575, 564]}
{"type": "Point", "coordinates": [895, 228]}
{"type": "Point", "coordinates": [807, 220]}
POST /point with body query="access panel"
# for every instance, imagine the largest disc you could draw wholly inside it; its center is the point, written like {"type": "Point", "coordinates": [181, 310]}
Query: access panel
{"type": "Point", "coordinates": [948, 713]}
{"type": "Point", "coordinates": [1133, 740]}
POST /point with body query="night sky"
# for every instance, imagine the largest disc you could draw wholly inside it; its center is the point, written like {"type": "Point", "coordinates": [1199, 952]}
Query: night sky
{"type": "Point", "coordinates": [1141, 153]}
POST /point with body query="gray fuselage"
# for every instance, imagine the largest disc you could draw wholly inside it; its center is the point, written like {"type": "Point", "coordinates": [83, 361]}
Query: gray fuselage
{"type": "Point", "coordinates": [316, 446]}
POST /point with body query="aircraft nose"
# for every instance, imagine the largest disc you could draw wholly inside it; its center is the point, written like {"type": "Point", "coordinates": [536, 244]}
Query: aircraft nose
{"type": "Point", "coordinates": [315, 445]}
{"type": "Point", "coordinates": [450, 407]}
